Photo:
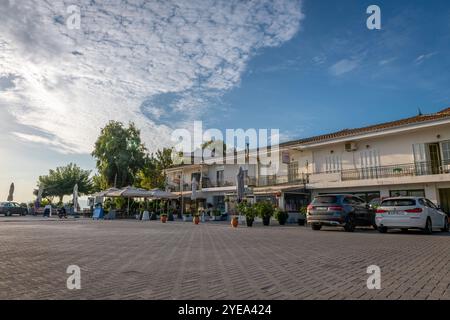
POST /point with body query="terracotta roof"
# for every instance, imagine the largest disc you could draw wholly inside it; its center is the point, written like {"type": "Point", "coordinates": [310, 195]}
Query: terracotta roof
{"type": "Point", "coordinates": [373, 128]}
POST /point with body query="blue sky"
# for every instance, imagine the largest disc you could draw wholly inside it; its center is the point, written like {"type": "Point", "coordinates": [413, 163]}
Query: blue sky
{"type": "Point", "coordinates": [304, 67]}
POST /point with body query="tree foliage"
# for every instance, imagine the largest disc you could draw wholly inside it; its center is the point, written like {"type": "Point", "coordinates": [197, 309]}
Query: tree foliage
{"type": "Point", "coordinates": [120, 155]}
{"type": "Point", "coordinates": [152, 174]}
{"type": "Point", "coordinates": [61, 181]}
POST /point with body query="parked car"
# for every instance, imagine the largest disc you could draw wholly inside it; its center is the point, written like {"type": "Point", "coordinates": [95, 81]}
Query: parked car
{"type": "Point", "coordinates": [410, 213]}
{"type": "Point", "coordinates": [10, 208]}
{"type": "Point", "coordinates": [341, 210]}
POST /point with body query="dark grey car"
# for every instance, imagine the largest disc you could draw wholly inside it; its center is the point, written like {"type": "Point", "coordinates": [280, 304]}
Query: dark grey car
{"type": "Point", "coordinates": [10, 208]}
{"type": "Point", "coordinates": [341, 210]}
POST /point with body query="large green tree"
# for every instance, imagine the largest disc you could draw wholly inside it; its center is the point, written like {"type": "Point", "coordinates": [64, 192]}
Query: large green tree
{"type": "Point", "coordinates": [60, 182]}
{"type": "Point", "coordinates": [153, 173]}
{"type": "Point", "coordinates": [120, 155]}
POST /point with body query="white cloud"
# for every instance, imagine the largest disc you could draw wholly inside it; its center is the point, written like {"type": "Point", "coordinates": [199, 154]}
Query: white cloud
{"type": "Point", "coordinates": [69, 83]}
{"type": "Point", "coordinates": [343, 66]}
{"type": "Point", "coordinates": [420, 59]}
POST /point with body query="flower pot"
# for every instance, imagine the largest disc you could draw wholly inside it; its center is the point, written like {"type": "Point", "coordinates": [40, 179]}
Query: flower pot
{"type": "Point", "coordinates": [163, 219]}
{"type": "Point", "coordinates": [266, 221]}
{"type": "Point", "coordinates": [234, 222]}
{"type": "Point", "coordinates": [197, 220]}
{"type": "Point", "coordinates": [249, 222]}
{"type": "Point", "coordinates": [301, 222]}
{"type": "Point", "coordinates": [282, 222]}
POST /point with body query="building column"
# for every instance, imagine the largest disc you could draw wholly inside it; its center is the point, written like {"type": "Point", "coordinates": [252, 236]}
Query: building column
{"type": "Point", "coordinates": [384, 192]}
{"type": "Point", "coordinates": [431, 192]}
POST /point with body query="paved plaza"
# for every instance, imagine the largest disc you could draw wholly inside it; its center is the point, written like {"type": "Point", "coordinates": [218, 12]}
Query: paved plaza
{"type": "Point", "coordinates": [151, 260]}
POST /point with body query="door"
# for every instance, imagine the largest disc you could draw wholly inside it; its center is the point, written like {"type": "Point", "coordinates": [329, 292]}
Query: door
{"type": "Point", "coordinates": [435, 158]}
{"type": "Point", "coordinates": [444, 197]}
{"type": "Point", "coordinates": [293, 171]}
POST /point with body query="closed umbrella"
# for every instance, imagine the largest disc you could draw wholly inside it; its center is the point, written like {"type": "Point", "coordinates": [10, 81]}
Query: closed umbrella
{"type": "Point", "coordinates": [11, 193]}
{"type": "Point", "coordinates": [240, 187]}
{"type": "Point", "coordinates": [39, 195]}
{"type": "Point", "coordinates": [194, 185]}
{"type": "Point", "coordinates": [75, 198]}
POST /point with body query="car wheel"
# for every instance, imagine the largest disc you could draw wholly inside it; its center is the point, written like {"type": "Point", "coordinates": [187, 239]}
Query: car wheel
{"type": "Point", "coordinates": [446, 227]}
{"type": "Point", "coordinates": [316, 227]}
{"type": "Point", "coordinates": [428, 227]}
{"type": "Point", "coordinates": [404, 230]}
{"type": "Point", "coordinates": [7, 214]}
{"type": "Point", "coordinates": [382, 229]}
{"type": "Point", "coordinates": [350, 225]}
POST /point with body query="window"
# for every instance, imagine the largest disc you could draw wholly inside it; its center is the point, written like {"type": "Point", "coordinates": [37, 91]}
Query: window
{"type": "Point", "coordinates": [398, 203]}
{"type": "Point", "coordinates": [430, 204]}
{"type": "Point", "coordinates": [219, 177]}
{"type": "Point", "coordinates": [407, 193]}
{"type": "Point", "coordinates": [333, 164]}
{"type": "Point", "coordinates": [446, 151]}
{"type": "Point", "coordinates": [325, 200]}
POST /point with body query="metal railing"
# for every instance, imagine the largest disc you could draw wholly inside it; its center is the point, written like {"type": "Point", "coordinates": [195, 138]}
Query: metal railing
{"type": "Point", "coordinates": [274, 180]}
{"type": "Point", "coordinates": [398, 170]}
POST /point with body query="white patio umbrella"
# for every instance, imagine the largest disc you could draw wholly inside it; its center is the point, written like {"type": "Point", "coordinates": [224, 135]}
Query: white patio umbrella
{"type": "Point", "coordinates": [160, 194]}
{"type": "Point", "coordinates": [104, 193]}
{"type": "Point", "coordinates": [11, 193]}
{"type": "Point", "coordinates": [130, 192]}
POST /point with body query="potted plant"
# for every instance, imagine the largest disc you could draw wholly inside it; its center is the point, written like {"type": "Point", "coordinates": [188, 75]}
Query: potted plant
{"type": "Point", "coordinates": [163, 218]}
{"type": "Point", "coordinates": [248, 210]}
{"type": "Point", "coordinates": [216, 215]}
{"type": "Point", "coordinates": [170, 216]}
{"type": "Point", "coordinates": [234, 221]}
{"type": "Point", "coordinates": [264, 210]}
{"type": "Point", "coordinates": [281, 216]}
{"type": "Point", "coordinates": [302, 216]}
{"type": "Point", "coordinates": [197, 219]}
{"type": "Point", "coordinates": [187, 216]}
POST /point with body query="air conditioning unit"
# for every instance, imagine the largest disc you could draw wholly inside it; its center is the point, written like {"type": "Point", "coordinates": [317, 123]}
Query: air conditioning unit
{"type": "Point", "coordinates": [351, 146]}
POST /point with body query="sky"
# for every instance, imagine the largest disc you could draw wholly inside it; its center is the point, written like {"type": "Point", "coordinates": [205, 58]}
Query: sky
{"type": "Point", "coordinates": [304, 67]}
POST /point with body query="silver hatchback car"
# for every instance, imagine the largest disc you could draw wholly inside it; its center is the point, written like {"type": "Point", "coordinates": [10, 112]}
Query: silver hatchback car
{"type": "Point", "coordinates": [410, 213]}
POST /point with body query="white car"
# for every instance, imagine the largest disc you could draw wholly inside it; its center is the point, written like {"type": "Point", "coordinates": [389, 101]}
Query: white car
{"type": "Point", "coordinates": [410, 213]}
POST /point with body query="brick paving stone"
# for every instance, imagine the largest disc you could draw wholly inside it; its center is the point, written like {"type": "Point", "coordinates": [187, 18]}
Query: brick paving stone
{"type": "Point", "coordinates": [151, 260]}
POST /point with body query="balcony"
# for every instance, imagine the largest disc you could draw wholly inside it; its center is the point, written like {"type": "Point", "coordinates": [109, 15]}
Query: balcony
{"type": "Point", "coordinates": [399, 170]}
{"type": "Point", "coordinates": [275, 180]}
{"type": "Point", "coordinates": [207, 183]}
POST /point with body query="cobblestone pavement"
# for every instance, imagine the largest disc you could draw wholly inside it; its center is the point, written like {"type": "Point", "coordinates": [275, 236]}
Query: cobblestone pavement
{"type": "Point", "coordinates": [151, 260]}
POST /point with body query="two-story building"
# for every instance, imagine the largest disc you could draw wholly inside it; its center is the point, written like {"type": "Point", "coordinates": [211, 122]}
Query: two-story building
{"type": "Point", "coordinates": [405, 157]}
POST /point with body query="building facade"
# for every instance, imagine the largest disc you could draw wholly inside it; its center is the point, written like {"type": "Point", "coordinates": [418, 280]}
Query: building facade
{"type": "Point", "coordinates": [406, 157]}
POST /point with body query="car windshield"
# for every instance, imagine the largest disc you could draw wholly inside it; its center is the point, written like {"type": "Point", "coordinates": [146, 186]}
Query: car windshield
{"type": "Point", "coordinates": [325, 200]}
{"type": "Point", "coordinates": [398, 203]}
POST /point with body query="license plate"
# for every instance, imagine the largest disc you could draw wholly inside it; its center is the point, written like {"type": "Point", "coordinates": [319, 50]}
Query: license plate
{"type": "Point", "coordinates": [397, 213]}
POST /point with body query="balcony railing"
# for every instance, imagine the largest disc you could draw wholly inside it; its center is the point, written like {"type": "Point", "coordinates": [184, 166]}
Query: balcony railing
{"type": "Point", "coordinates": [207, 183]}
{"type": "Point", "coordinates": [274, 180]}
{"type": "Point", "coordinates": [399, 170]}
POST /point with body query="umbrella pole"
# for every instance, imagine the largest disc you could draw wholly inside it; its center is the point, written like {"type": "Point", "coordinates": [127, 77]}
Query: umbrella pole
{"type": "Point", "coordinates": [128, 210]}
